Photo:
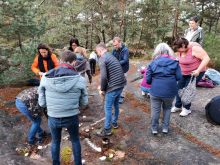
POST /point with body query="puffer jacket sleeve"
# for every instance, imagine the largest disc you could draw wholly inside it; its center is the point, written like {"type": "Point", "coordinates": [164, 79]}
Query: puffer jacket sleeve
{"type": "Point", "coordinates": [41, 90]}
{"type": "Point", "coordinates": [149, 74]}
{"type": "Point", "coordinates": [83, 100]}
{"type": "Point", "coordinates": [35, 65]}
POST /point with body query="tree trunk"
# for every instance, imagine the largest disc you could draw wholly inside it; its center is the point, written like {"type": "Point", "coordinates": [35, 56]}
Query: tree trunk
{"type": "Point", "coordinates": [174, 35]}
{"type": "Point", "coordinates": [112, 32]}
{"type": "Point", "coordinates": [91, 29]}
{"type": "Point", "coordinates": [103, 36]}
{"type": "Point", "coordinates": [140, 37]}
{"type": "Point", "coordinates": [87, 31]}
{"type": "Point", "coordinates": [125, 30]}
{"type": "Point", "coordinates": [122, 17]}
{"type": "Point", "coordinates": [101, 19]}
{"type": "Point", "coordinates": [202, 15]}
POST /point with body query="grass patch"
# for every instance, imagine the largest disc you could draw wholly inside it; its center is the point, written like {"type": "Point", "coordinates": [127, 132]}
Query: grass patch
{"type": "Point", "coordinates": [114, 130]}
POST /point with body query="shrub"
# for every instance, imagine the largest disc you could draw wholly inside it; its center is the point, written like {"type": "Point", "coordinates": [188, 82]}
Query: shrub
{"type": "Point", "coordinates": [212, 47]}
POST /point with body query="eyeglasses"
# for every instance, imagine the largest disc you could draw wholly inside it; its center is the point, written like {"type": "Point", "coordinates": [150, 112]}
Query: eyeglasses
{"type": "Point", "coordinates": [116, 45]}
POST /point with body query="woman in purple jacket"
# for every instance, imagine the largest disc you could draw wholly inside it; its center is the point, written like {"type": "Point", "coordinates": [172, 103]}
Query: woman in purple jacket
{"type": "Point", "coordinates": [165, 71]}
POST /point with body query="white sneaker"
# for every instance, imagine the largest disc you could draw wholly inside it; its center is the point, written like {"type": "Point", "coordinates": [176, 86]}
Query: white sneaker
{"type": "Point", "coordinates": [175, 109]}
{"type": "Point", "coordinates": [185, 112]}
{"type": "Point", "coordinates": [143, 93]}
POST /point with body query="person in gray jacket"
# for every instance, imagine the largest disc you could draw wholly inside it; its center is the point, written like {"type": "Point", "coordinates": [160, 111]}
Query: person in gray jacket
{"type": "Point", "coordinates": [112, 83]}
{"type": "Point", "coordinates": [63, 91]}
{"type": "Point", "coordinates": [194, 33]}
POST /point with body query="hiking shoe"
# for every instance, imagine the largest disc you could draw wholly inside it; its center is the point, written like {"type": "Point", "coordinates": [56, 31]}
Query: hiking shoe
{"type": "Point", "coordinates": [115, 125]}
{"type": "Point", "coordinates": [143, 93]}
{"type": "Point", "coordinates": [104, 132]}
{"type": "Point", "coordinates": [165, 131]}
{"type": "Point", "coordinates": [121, 100]}
{"type": "Point", "coordinates": [185, 112]}
{"type": "Point", "coordinates": [175, 109]}
{"type": "Point", "coordinates": [37, 141]}
{"type": "Point", "coordinates": [44, 135]}
{"type": "Point", "coordinates": [155, 132]}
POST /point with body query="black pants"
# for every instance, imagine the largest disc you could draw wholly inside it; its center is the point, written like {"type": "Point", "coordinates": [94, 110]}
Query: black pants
{"type": "Point", "coordinates": [92, 63]}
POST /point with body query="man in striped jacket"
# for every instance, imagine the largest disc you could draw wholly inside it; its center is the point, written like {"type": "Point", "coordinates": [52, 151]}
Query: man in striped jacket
{"type": "Point", "coordinates": [112, 84]}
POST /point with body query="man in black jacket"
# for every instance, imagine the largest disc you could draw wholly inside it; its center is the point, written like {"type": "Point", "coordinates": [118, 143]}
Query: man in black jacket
{"type": "Point", "coordinates": [112, 83]}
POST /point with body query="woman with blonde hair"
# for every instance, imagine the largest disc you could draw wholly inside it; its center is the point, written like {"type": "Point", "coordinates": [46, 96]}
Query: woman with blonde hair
{"type": "Point", "coordinates": [162, 73]}
{"type": "Point", "coordinates": [82, 65]}
{"type": "Point", "coordinates": [92, 61]}
{"type": "Point", "coordinates": [81, 53]}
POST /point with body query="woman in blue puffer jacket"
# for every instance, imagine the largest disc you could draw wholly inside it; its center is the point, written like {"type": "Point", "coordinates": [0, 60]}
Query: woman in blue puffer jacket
{"type": "Point", "coordinates": [165, 71]}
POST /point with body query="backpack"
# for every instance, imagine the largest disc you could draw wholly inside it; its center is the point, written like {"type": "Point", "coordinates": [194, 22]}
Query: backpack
{"type": "Point", "coordinates": [213, 75]}
{"type": "Point", "coordinates": [33, 82]}
{"type": "Point", "coordinates": [213, 110]}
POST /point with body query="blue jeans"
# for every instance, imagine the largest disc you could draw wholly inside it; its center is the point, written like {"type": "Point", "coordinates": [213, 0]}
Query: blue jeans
{"type": "Point", "coordinates": [112, 98]}
{"type": "Point", "coordinates": [156, 104]}
{"type": "Point", "coordinates": [72, 125]}
{"type": "Point", "coordinates": [182, 83]}
{"type": "Point", "coordinates": [144, 89]}
{"type": "Point", "coordinates": [35, 128]}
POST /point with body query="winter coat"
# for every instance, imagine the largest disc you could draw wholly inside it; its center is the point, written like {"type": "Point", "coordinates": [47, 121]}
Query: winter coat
{"type": "Point", "coordinates": [63, 91]}
{"type": "Point", "coordinates": [30, 99]}
{"type": "Point", "coordinates": [144, 84]}
{"type": "Point", "coordinates": [198, 36]}
{"type": "Point", "coordinates": [35, 64]}
{"type": "Point", "coordinates": [112, 75]}
{"type": "Point", "coordinates": [83, 67]}
{"type": "Point", "coordinates": [123, 56]}
{"type": "Point", "coordinates": [165, 73]}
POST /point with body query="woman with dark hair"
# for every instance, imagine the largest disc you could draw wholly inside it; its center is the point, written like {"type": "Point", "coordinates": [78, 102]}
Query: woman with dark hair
{"type": "Point", "coordinates": [74, 43]}
{"type": "Point", "coordinates": [45, 60]}
{"type": "Point", "coordinates": [194, 33]}
{"type": "Point", "coordinates": [192, 60]}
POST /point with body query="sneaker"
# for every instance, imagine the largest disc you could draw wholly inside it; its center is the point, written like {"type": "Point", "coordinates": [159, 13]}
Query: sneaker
{"type": "Point", "coordinates": [104, 132]}
{"type": "Point", "coordinates": [143, 93]}
{"type": "Point", "coordinates": [165, 131]}
{"type": "Point", "coordinates": [121, 100]}
{"type": "Point", "coordinates": [155, 132]}
{"type": "Point", "coordinates": [37, 141]}
{"type": "Point", "coordinates": [44, 135]}
{"type": "Point", "coordinates": [115, 125]}
{"type": "Point", "coordinates": [175, 109]}
{"type": "Point", "coordinates": [185, 112]}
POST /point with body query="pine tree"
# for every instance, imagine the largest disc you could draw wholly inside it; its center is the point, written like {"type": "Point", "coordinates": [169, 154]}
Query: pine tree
{"type": "Point", "coordinates": [19, 28]}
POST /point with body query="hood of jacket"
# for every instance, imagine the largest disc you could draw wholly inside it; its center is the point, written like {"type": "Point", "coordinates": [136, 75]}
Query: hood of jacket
{"type": "Point", "coordinates": [62, 79]}
{"type": "Point", "coordinates": [165, 61]}
{"type": "Point", "coordinates": [80, 65]}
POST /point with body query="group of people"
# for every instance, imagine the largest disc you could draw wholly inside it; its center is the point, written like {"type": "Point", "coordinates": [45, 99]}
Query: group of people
{"type": "Point", "coordinates": [63, 87]}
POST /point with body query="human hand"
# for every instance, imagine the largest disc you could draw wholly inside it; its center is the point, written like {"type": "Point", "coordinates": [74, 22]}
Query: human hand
{"type": "Point", "coordinates": [101, 92]}
{"type": "Point", "coordinates": [195, 73]}
{"type": "Point", "coordinates": [41, 73]}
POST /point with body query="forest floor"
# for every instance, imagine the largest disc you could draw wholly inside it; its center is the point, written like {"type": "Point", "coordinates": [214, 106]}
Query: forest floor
{"type": "Point", "coordinates": [191, 139]}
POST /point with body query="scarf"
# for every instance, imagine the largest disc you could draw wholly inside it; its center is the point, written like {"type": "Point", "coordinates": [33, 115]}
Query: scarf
{"type": "Point", "coordinates": [50, 64]}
